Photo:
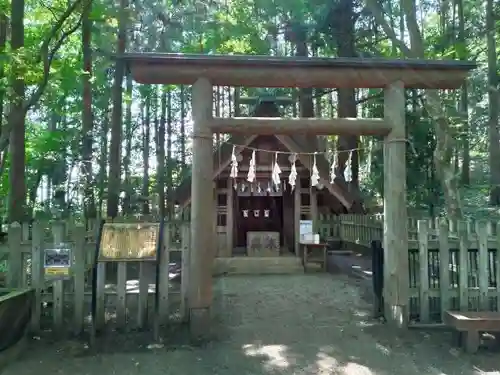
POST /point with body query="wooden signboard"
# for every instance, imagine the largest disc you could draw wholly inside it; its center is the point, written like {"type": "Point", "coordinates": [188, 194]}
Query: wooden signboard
{"type": "Point", "coordinates": [129, 241]}
{"type": "Point", "coordinates": [57, 261]}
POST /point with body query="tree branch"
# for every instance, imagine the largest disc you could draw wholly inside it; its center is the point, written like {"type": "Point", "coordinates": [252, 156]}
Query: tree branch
{"type": "Point", "coordinates": [378, 13]}
{"type": "Point", "coordinates": [47, 54]}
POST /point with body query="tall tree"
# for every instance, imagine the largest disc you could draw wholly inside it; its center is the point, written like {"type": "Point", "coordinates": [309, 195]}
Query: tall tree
{"type": "Point", "coordinates": [16, 119]}
{"type": "Point", "coordinates": [114, 180]}
{"type": "Point", "coordinates": [87, 117]}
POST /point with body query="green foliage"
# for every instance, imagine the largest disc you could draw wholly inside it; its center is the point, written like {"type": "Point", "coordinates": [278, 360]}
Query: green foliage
{"type": "Point", "coordinates": [53, 137]}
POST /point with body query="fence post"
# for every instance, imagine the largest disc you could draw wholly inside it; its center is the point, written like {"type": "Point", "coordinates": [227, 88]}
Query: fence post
{"type": "Point", "coordinates": [37, 273]}
{"type": "Point", "coordinates": [463, 259]}
{"type": "Point", "coordinates": [164, 280]}
{"type": "Point", "coordinates": [444, 265]}
{"type": "Point", "coordinates": [497, 264]}
{"type": "Point", "coordinates": [15, 260]}
{"type": "Point", "coordinates": [483, 269]}
{"type": "Point", "coordinates": [58, 233]}
{"type": "Point", "coordinates": [423, 255]}
{"type": "Point", "coordinates": [378, 277]}
{"type": "Point", "coordinates": [78, 271]}
{"type": "Point", "coordinates": [186, 250]}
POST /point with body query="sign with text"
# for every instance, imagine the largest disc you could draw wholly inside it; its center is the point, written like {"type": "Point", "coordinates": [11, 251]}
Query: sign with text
{"type": "Point", "coordinates": [306, 231]}
{"type": "Point", "coordinates": [129, 241]}
{"type": "Point", "coordinates": [57, 261]}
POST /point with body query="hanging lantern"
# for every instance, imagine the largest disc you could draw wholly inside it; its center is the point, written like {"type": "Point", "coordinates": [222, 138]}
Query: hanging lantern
{"type": "Point", "coordinates": [292, 178]}
{"type": "Point", "coordinates": [315, 173]}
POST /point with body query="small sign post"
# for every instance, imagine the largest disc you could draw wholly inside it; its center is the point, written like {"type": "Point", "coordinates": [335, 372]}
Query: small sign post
{"type": "Point", "coordinates": [57, 261]}
{"type": "Point", "coordinates": [306, 231]}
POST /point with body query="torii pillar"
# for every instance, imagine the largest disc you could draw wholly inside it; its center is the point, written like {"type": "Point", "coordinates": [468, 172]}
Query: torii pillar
{"type": "Point", "coordinates": [202, 208]}
{"type": "Point", "coordinates": [395, 241]}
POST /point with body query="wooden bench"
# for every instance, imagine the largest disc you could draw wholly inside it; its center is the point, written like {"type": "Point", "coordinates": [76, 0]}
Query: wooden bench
{"type": "Point", "coordinates": [314, 253]}
{"type": "Point", "coordinates": [469, 325]}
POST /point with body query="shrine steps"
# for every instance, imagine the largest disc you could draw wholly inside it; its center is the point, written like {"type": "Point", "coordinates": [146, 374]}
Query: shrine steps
{"type": "Point", "coordinates": [244, 265]}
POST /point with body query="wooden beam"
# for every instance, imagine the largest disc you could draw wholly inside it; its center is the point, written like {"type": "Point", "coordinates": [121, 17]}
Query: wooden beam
{"type": "Point", "coordinates": [275, 99]}
{"type": "Point", "coordinates": [316, 126]}
{"type": "Point", "coordinates": [396, 284]}
{"type": "Point", "coordinates": [202, 211]}
{"type": "Point", "coordinates": [162, 71]}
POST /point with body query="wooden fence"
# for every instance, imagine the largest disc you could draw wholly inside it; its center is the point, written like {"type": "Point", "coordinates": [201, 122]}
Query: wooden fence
{"type": "Point", "coordinates": [116, 294]}
{"type": "Point", "coordinates": [451, 265]}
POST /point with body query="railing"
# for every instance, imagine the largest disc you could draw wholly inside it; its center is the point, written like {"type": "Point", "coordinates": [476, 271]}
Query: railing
{"type": "Point", "coordinates": [21, 260]}
{"type": "Point", "coordinates": [451, 265]}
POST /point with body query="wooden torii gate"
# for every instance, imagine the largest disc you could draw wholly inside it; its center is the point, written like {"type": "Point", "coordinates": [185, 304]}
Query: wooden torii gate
{"type": "Point", "coordinates": [205, 71]}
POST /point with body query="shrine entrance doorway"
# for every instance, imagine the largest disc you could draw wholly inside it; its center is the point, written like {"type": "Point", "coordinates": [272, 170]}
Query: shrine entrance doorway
{"type": "Point", "coordinates": [259, 220]}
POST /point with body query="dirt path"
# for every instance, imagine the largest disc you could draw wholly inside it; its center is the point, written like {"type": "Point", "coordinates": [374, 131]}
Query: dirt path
{"type": "Point", "coordinates": [299, 324]}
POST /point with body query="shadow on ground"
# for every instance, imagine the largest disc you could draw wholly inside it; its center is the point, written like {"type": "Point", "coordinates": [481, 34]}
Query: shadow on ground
{"type": "Point", "coordinates": [296, 324]}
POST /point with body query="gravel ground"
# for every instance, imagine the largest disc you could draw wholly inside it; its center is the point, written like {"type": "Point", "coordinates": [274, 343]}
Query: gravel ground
{"type": "Point", "coordinates": [297, 324]}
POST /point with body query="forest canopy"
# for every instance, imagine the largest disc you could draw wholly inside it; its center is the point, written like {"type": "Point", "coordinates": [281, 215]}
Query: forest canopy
{"type": "Point", "coordinates": [79, 137]}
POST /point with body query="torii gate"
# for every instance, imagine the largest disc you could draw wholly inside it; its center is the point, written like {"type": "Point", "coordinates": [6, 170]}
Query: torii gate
{"type": "Point", "coordinates": [205, 71]}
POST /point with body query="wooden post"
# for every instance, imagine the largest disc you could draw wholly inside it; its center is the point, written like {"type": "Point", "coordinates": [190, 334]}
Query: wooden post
{"type": "Point", "coordinates": [164, 307]}
{"type": "Point", "coordinates": [37, 274]}
{"type": "Point", "coordinates": [79, 279]}
{"type": "Point", "coordinates": [15, 260]}
{"type": "Point", "coordinates": [296, 217]}
{"type": "Point", "coordinates": [186, 250]}
{"type": "Point", "coordinates": [202, 207]}
{"type": "Point", "coordinates": [229, 218]}
{"type": "Point", "coordinates": [58, 232]}
{"type": "Point", "coordinates": [396, 284]}
{"type": "Point", "coordinates": [313, 198]}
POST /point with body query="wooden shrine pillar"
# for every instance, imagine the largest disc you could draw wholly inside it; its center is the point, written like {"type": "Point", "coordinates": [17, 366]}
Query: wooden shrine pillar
{"type": "Point", "coordinates": [396, 284]}
{"type": "Point", "coordinates": [296, 216]}
{"type": "Point", "coordinates": [313, 204]}
{"type": "Point", "coordinates": [229, 218]}
{"type": "Point", "coordinates": [202, 211]}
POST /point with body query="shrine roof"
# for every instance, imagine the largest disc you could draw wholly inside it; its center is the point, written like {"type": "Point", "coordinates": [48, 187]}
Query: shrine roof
{"type": "Point", "coordinates": [302, 72]}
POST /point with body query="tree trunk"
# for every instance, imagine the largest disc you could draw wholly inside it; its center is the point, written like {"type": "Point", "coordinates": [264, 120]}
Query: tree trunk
{"type": "Point", "coordinates": [444, 135]}
{"type": "Point", "coordinates": [145, 154]}
{"type": "Point", "coordinates": [183, 132]}
{"type": "Point", "coordinates": [160, 152]}
{"type": "Point", "coordinates": [345, 37]}
{"type": "Point", "coordinates": [170, 162]}
{"type": "Point", "coordinates": [4, 22]}
{"type": "Point", "coordinates": [127, 188]}
{"type": "Point", "coordinates": [16, 120]}
{"type": "Point", "coordinates": [103, 151]}
{"type": "Point", "coordinates": [87, 117]}
{"type": "Point", "coordinates": [114, 180]}
{"type": "Point", "coordinates": [493, 99]}
{"type": "Point", "coordinates": [463, 54]}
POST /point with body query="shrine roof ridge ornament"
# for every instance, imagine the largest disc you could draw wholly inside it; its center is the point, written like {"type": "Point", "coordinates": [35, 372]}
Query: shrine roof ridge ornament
{"type": "Point", "coordinates": [301, 72]}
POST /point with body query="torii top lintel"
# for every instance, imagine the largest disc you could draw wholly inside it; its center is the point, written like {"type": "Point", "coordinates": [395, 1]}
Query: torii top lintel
{"type": "Point", "coordinates": [289, 72]}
